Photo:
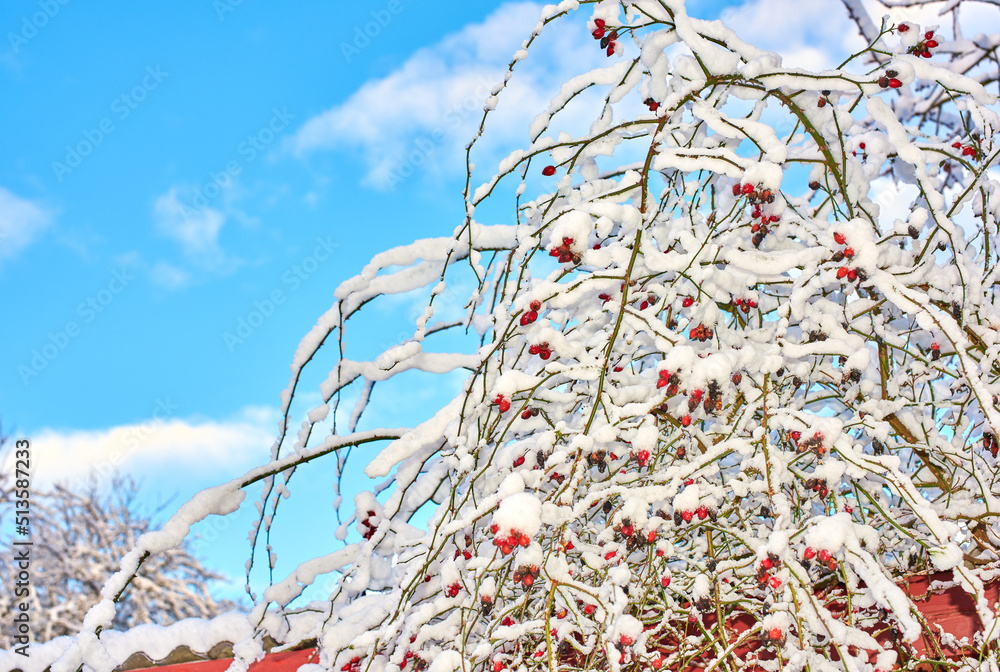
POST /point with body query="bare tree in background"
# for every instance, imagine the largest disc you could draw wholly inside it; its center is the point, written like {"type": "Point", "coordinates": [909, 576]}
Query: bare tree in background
{"type": "Point", "coordinates": [79, 537]}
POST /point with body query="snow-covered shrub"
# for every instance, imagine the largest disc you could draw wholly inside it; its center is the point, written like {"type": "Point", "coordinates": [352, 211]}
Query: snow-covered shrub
{"type": "Point", "coordinates": [738, 357]}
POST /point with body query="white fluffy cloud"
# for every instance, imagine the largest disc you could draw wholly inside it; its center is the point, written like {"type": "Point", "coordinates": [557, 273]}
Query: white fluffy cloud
{"type": "Point", "coordinates": [21, 223]}
{"type": "Point", "coordinates": [162, 446]}
{"type": "Point", "coordinates": [420, 116]}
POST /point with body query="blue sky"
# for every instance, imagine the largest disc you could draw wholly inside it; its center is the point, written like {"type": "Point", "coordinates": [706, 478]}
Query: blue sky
{"type": "Point", "coordinates": [183, 186]}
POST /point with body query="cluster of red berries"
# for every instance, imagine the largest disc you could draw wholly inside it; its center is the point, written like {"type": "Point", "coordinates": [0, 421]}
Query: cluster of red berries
{"type": "Point", "coordinates": [502, 402]}
{"type": "Point", "coordinates": [763, 571]}
{"type": "Point", "coordinates": [651, 104]}
{"type": "Point", "coordinates": [526, 574]}
{"type": "Point", "coordinates": [511, 541]}
{"type": "Point", "coordinates": [670, 381]}
{"type": "Point", "coordinates": [990, 442]}
{"type": "Point", "coordinates": [541, 349]}
{"type": "Point", "coordinates": [753, 194]}
{"type": "Point", "coordinates": [702, 512]}
{"type": "Point", "coordinates": [532, 314]}
{"type": "Point", "coordinates": [701, 333]}
{"type": "Point", "coordinates": [453, 590]}
{"type": "Point", "coordinates": [923, 48]}
{"type": "Point", "coordinates": [823, 556]}
{"type": "Point", "coordinates": [565, 252]}
{"type": "Point", "coordinates": [967, 150]}
{"type": "Point", "coordinates": [744, 304]}
{"type": "Point", "coordinates": [712, 401]}
{"type": "Point", "coordinates": [847, 253]}
{"type": "Point", "coordinates": [607, 39]}
{"type": "Point", "coordinates": [817, 485]}
{"type": "Point", "coordinates": [466, 553]}
{"type": "Point", "coordinates": [353, 666]}
{"type": "Point", "coordinates": [369, 525]}
{"type": "Point", "coordinates": [814, 443]}
{"type": "Point", "coordinates": [527, 414]}
{"type": "Point", "coordinates": [419, 663]}
{"type": "Point", "coordinates": [889, 81]}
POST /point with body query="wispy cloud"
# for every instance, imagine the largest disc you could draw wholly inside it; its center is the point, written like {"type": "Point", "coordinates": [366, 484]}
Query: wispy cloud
{"type": "Point", "coordinates": [197, 233]}
{"type": "Point", "coordinates": [21, 223]}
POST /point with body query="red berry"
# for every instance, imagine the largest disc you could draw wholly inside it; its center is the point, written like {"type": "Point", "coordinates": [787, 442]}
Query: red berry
{"type": "Point", "coordinates": [688, 302]}
{"type": "Point", "coordinates": [687, 516]}
{"type": "Point", "coordinates": [498, 665]}
{"type": "Point", "coordinates": [839, 238]}
{"type": "Point", "coordinates": [957, 145]}
{"type": "Point", "coordinates": [549, 170]}
{"type": "Point", "coordinates": [657, 662]}
{"type": "Point", "coordinates": [824, 555]}
{"type": "Point", "coordinates": [526, 414]}
{"type": "Point", "coordinates": [929, 34]}
{"type": "Point", "coordinates": [861, 145]}
{"type": "Point", "coordinates": [852, 275]}
{"type": "Point", "coordinates": [895, 83]}
{"type": "Point", "coordinates": [842, 272]}
{"type": "Point", "coordinates": [536, 305]}
{"type": "Point", "coordinates": [651, 537]}
{"type": "Point", "coordinates": [643, 457]}
{"type": "Point", "coordinates": [809, 553]}
{"type": "Point", "coordinates": [747, 188]}
{"type": "Point", "coordinates": [686, 420]}
{"type": "Point", "coordinates": [599, 23]}
{"type": "Point", "coordinates": [702, 512]}
{"type": "Point", "coordinates": [775, 583]}
{"type": "Point", "coordinates": [849, 252]}
{"type": "Point", "coordinates": [902, 27]}
{"type": "Point", "coordinates": [796, 435]}
{"type": "Point", "coordinates": [665, 581]}
{"type": "Point", "coordinates": [775, 633]}
{"type": "Point", "coordinates": [598, 33]}
{"type": "Point", "coordinates": [689, 481]}
{"type": "Point", "coordinates": [528, 580]}
{"type": "Point", "coordinates": [931, 44]}
{"type": "Point", "coordinates": [736, 190]}
{"type": "Point", "coordinates": [766, 563]}
{"type": "Point", "coordinates": [590, 609]}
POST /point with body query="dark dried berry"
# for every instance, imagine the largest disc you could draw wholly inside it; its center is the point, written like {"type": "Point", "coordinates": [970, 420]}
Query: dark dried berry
{"type": "Point", "coordinates": [838, 256]}
{"type": "Point", "coordinates": [891, 73]}
{"type": "Point", "coordinates": [607, 506]}
{"type": "Point", "coordinates": [913, 232]}
{"type": "Point", "coordinates": [605, 41]}
{"type": "Point", "coordinates": [878, 447]}
{"type": "Point", "coordinates": [711, 564]}
{"type": "Point", "coordinates": [814, 185]}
